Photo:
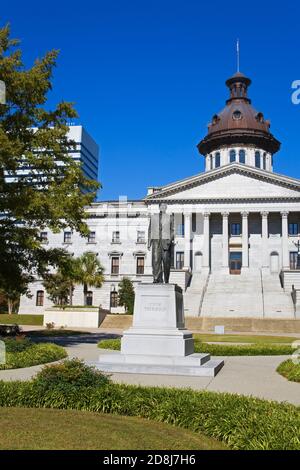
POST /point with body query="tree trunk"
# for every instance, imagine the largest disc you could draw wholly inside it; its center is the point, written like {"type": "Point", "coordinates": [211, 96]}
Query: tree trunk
{"type": "Point", "coordinates": [71, 295]}
{"type": "Point", "coordinates": [85, 289]}
{"type": "Point", "coordinates": [10, 306]}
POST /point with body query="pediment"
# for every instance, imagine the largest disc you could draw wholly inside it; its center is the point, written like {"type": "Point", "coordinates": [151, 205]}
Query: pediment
{"type": "Point", "coordinates": [231, 182]}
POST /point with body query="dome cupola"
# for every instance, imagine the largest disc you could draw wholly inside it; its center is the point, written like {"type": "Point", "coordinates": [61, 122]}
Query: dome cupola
{"type": "Point", "coordinates": [239, 124]}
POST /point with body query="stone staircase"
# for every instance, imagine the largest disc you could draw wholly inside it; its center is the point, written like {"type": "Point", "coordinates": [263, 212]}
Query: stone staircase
{"type": "Point", "coordinates": [253, 293]}
{"type": "Point", "coordinates": [277, 302]}
{"type": "Point", "coordinates": [194, 294]}
{"type": "Point", "coordinates": [233, 295]}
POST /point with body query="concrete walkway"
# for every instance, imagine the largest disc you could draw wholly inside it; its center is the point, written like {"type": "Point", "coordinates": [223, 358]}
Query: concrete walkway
{"type": "Point", "coordinates": [246, 375]}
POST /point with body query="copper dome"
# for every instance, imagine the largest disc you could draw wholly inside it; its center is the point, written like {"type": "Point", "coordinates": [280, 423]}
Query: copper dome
{"type": "Point", "coordinates": [238, 123]}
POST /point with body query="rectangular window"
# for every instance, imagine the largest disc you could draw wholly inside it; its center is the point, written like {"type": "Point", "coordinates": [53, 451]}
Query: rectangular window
{"type": "Point", "coordinates": [179, 259]}
{"type": "Point", "coordinates": [293, 229]}
{"type": "Point", "coordinates": [294, 260]}
{"type": "Point", "coordinates": [113, 299]}
{"type": "Point", "coordinates": [235, 229]}
{"type": "Point", "coordinates": [217, 160]}
{"type": "Point", "coordinates": [140, 236]}
{"type": "Point", "coordinates": [257, 159]}
{"type": "Point", "coordinates": [115, 265]}
{"type": "Point", "coordinates": [116, 237]}
{"type": "Point", "coordinates": [44, 237]}
{"type": "Point", "coordinates": [67, 237]}
{"type": "Point", "coordinates": [40, 298]}
{"type": "Point", "coordinates": [140, 265]}
{"type": "Point", "coordinates": [92, 237]}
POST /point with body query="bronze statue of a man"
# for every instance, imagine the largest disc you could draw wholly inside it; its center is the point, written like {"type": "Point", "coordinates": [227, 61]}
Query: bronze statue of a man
{"type": "Point", "coordinates": [161, 239]}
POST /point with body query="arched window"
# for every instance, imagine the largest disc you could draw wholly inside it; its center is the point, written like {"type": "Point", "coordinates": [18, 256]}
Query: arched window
{"type": "Point", "coordinates": [264, 161]}
{"type": "Point", "coordinates": [89, 298]}
{"type": "Point", "coordinates": [242, 156]}
{"type": "Point", "coordinates": [40, 298]}
{"type": "Point", "coordinates": [217, 160]}
{"type": "Point", "coordinates": [232, 156]}
{"type": "Point", "coordinates": [257, 159]}
{"type": "Point", "coordinates": [211, 162]}
{"type": "Point", "coordinates": [113, 299]}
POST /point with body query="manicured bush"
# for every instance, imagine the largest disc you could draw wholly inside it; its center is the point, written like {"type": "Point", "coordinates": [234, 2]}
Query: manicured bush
{"type": "Point", "coordinates": [220, 349]}
{"type": "Point", "coordinates": [21, 319]}
{"type": "Point", "coordinates": [290, 370]}
{"type": "Point", "coordinates": [24, 353]}
{"type": "Point", "coordinates": [241, 422]}
{"type": "Point", "coordinates": [70, 373]}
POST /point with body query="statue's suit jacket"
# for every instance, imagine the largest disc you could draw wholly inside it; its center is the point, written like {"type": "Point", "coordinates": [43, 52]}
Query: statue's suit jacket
{"type": "Point", "coordinates": [161, 227]}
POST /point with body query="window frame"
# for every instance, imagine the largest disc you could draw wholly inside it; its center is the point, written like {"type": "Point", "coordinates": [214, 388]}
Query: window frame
{"type": "Point", "coordinates": [114, 299]}
{"type": "Point", "coordinates": [40, 298]}
{"type": "Point", "coordinates": [232, 156]}
{"type": "Point", "coordinates": [291, 232]}
{"type": "Point", "coordinates": [140, 268]}
{"type": "Point", "coordinates": [115, 268]}
{"type": "Point", "coordinates": [217, 160]}
{"type": "Point", "coordinates": [92, 238]}
{"type": "Point", "coordinates": [239, 231]}
{"type": "Point", "coordinates": [242, 153]}
{"type": "Point", "coordinates": [141, 238]}
{"type": "Point", "coordinates": [115, 237]}
{"type": "Point", "coordinates": [67, 236]}
{"type": "Point", "coordinates": [257, 156]}
{"type": "Point", "coordinates": [179, 260]}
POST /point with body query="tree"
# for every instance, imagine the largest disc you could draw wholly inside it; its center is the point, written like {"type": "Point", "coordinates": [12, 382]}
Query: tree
{"type": "Point", "coordinates": [34, 137]}
{"type": "Point", "coordinates": [58, 288]}
{"type": "Point", "coordinates": [126, 295]}
{"type": "Point", "coordinates": [89, 272]}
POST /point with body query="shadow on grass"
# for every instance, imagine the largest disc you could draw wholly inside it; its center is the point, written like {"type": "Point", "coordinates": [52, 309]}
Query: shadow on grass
{"type": "Point", "coordinates": [73, 340]}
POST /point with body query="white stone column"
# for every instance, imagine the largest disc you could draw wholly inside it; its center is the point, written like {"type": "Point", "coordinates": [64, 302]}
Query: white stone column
{"type": "Point", "coordinates": [264, 236]}
{"type": "Point", "coordinates": [206, 240]}
{"type": "Point", "coordinates": [225, 254]}
{"type": "Point", "coordinates": [187, 240]}
{"type": "Point", "coordinates": [285, 240]}
{"type": "Point", "coordinates": [245, 240]}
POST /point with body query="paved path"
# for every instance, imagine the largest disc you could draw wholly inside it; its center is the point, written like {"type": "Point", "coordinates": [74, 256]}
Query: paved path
{"type": "Point", "coordinates": [247, 375]}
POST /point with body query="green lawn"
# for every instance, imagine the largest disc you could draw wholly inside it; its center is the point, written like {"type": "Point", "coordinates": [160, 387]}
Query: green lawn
{"type": "Point", "coordinates": [257, 339]}
{"type": "Point", "coordinates": [247, 349]}
{"type": "Point", "coordinates": [21, 319]}
{"type": "Point", "coordinates": [68, 429]}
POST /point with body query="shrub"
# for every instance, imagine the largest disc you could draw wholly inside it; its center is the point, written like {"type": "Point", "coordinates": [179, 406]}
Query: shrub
{"type": "Point", "coordinates": [70, 373]}
{"type": "Point", "coordinates": [220, 349]}
{"type": "Point", "coordinates": [14, 345]}
{"type": "Point", "coordinates": [23, 353]}
{"type": "Point", "coordinates": [289, 370]}
{"type": "Point", "coordinates": [239, 421]}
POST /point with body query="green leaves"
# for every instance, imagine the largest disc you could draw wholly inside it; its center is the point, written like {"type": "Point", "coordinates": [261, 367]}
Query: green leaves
{"type": "Point", "coordinates": [53, 191]}
{"type": "Point", "coordinates": [126, 295]}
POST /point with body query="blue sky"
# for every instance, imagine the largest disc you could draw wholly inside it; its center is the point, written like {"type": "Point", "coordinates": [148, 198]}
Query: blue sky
{"type": "Point", "coordinates": [146, 77]}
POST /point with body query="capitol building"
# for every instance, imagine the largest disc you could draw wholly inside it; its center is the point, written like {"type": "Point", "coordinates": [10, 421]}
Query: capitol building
{"type": "Point", "coordinates": [237, 226]}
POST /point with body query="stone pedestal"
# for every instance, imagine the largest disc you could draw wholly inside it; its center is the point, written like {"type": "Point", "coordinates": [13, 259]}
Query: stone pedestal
{"type": "Point", "coordinates": [158, 342]}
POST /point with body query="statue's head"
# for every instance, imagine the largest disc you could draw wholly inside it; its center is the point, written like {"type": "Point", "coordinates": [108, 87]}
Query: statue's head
{"type": "Point", "coordinates": [163, 207]}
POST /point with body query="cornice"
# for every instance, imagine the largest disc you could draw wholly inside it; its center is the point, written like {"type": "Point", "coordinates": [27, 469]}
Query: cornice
{"type": "Point", "coordinates": [212, 175]}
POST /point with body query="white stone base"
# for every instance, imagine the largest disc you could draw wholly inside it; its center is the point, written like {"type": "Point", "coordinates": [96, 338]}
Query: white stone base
{"type": "Point", "coordinates": [199, 365]}
{"type": "Point", "coordinates": [157, 342]}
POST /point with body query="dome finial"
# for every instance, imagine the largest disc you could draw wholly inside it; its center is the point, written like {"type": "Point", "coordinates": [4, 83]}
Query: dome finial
{"type": "Point", "coordinates": [238, 55]}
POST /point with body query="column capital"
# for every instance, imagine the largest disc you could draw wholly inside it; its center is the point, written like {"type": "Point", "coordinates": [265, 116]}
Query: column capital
{"type": "Point", "coordinates": [284, 214]}
{"type": "Point", "coordinates": [225, 214]}
{"type": "Point", "coordinates": [245, 214]}
{"type": "Point", "coordinates": [206, 214]}
{"type": "Point", "coordinates": [264, 214]}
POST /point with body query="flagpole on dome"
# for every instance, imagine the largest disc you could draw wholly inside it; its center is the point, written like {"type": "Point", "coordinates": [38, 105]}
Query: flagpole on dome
{"type": "Point", "coordinates": [238, 54]}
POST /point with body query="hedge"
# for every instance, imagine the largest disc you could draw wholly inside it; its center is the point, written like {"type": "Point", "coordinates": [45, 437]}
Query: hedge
{"type": "Point", "coordinates": [220, 349]}
{"type": "Point", "coordinates": [240, 422]}
{"type": "Point", "coordinates": [290, 370]}
{"type": "Point", "coordinates": [24, 353]}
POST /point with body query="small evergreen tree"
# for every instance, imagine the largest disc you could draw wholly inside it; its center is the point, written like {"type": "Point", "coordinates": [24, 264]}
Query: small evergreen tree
{"type": "Point", "coordinates": [126, 295]}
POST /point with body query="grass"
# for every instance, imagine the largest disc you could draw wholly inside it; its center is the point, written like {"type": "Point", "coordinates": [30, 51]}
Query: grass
{"type": "Point", "coordinates": [289, 370]}
{"type": "Point", "coordinates": [256, 339]}
{"type": "Point", "coordinates": [221, 349]}
{"type": "Point", "coordinates": [51, 333]}
{"type": "Point", "coordinates": [71, 430]}
{"type": "Point", "coordinates": [21, 319]}
{"type": "Point", "coordinates": [240, 422]}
